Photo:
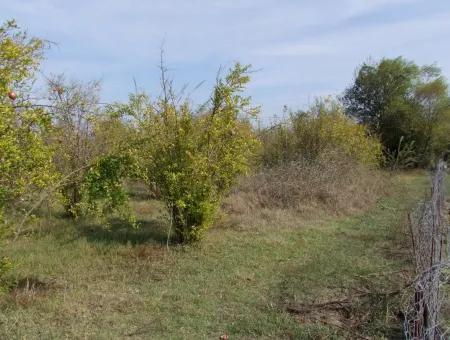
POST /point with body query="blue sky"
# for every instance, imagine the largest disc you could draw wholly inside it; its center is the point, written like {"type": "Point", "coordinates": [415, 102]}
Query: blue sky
{"type": "Point", "coordinates": [301, 49]}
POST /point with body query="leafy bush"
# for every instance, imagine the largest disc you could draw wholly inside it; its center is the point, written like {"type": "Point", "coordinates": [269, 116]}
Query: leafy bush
{"type": "Point", "coordinates": [102, 191]}
{"type": "Point", "coordinates": [193, 157]}
{"type": "Point", "coordinates": [308, 134]}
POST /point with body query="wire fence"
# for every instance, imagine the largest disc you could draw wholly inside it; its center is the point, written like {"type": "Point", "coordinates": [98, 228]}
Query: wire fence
{"type": "Point", "coordinates": [430, 236]}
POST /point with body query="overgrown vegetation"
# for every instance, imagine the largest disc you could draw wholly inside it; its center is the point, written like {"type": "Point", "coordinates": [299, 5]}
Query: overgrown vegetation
{"type": "Point", "coordinates": [324, 127]}
{"type": "Point", "coordinates": [316, 159]}
{"type": "Point", "coordinates": [117, 185]}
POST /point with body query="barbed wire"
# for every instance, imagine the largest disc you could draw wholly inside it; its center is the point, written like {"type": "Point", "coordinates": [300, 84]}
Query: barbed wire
{"type": "Point", "coordinates": [429, 232]}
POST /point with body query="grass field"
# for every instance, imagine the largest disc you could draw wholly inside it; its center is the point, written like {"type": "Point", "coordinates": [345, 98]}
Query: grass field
{"type": "Point", "coordinates": [84, 282]}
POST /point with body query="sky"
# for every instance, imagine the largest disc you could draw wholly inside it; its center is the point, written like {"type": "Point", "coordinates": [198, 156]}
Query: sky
{"type": "Point", "coordinates": [299, 49]}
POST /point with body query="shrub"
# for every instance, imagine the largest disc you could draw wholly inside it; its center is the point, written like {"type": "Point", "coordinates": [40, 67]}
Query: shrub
{"type": "Point", "coordinates": [193, 157]}
{"type": "Point", "coordinates": [308, 134]}
{"type": "Point", "coordinates": [102, 191]}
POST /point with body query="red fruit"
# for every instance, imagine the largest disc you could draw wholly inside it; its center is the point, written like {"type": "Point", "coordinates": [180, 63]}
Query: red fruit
{"type": "Point", "coordinates": [12, 95]}
{"type": "Point", "coordinates": [58, 89]}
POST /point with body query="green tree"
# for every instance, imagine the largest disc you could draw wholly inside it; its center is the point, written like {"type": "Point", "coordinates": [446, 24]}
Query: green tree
{"type": "Point", "coordinates": [402, 102]}
{"type": "Point", "coordinates": [25, 159]}
{"type": "Point", "coordinates": [432, 128]}
{"type": "Point", "coordinates": [74, 109]}
{"type": "Point", "coordinates": [90, 150]}
{"type": "Point", "coordinates": [25, 165]}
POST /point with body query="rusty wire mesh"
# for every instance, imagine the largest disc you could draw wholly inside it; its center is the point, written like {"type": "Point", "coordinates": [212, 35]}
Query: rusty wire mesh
{"type": "Point", "coordinates": [430, 235]}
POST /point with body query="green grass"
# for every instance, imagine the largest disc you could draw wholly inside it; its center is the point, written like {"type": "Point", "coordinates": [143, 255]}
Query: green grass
{"type": "Point", "coordinates": [119, 283]}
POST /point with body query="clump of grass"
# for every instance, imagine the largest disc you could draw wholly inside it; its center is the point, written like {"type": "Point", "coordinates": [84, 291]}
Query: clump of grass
{"type": "Point", "coordinates": [26, 291]}
{"type": "Point", "coordinates": [332, 183]}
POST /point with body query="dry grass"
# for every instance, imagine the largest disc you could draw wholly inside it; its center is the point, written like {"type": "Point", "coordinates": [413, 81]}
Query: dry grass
{"type": "Point", "coordinates": [121, 283]}
{"type": "Point", "coordinates": [28, 290]}
{"type": "Point", "coordinates": [330, 184]}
